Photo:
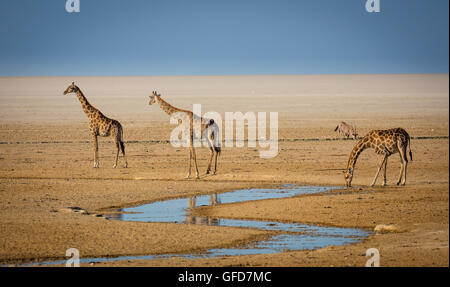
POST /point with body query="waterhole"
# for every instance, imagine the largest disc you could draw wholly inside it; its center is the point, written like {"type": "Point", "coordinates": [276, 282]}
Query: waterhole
{"type": "Point", "coordinates": [290, 236]}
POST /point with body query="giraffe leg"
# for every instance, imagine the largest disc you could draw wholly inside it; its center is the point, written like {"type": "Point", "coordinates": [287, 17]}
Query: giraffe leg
{"type": "Point", "coordinates": [215, 163]}
{"type": "Point", "coordinates": [401, 170]}
{"type": "Point", "coordinates": [122, 147]}
{"type": "Point", "coordinates": [95, 142]}
{"type": "Point", "coordinates": [211, 151]}
{"type": "Point", "coordinates": [404, 160]}
{"type": "Point", "coordinates": [378, 171]}
{"type": "Point", "coordinates": [194, 157]}
{"type": "Point", "coordinates": [405, 164]}
{"type": "Point", "coordinates": [384, 172]}
{"type": "Point", "coordinates": [116, 143]}
{"type": "Point", "coordinates": [190, 159]}
{"type": "Point", "coordinates": [214, 152]}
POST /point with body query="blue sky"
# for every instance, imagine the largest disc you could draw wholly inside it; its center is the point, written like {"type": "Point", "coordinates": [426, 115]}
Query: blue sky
{"type": "Point", "coordinates": [211, 37]}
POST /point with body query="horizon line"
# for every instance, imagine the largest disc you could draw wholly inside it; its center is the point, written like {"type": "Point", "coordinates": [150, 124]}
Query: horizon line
{"type": "Point", "coordinates": [220, 75]}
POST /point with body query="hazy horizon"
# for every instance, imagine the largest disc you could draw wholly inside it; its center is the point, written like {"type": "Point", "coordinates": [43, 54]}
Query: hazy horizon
{"type": "Point", "coordinates": [218, 75]}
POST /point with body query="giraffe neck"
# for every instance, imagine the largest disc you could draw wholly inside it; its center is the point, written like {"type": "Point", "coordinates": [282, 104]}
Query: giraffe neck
{"type": "Point", "coordinates": [87, 107]}
{"type": "Point", "coordinates": [166, 107]}
{"type": "Point", "coordinates": [362, 144]}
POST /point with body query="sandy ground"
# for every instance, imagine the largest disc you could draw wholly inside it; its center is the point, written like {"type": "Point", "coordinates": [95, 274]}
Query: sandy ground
{"type": "Point", "coordinates": [46, 166]}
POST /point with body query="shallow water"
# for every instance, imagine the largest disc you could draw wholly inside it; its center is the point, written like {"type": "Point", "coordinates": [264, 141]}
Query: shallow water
{"type": "Point", "coordinates": [292, 236]}
{"type": "Point", "coordinates": [177, 210]}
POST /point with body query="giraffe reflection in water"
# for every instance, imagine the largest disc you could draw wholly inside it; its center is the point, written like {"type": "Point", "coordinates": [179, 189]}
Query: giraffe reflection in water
{"type": "Point", "coordinates": [192, 219]}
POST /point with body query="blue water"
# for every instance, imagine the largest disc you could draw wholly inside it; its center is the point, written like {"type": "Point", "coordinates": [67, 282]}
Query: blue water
{"type": "Point", "coordinates": [291, 236]}
{"type": "Point", "coordinates": [176, 210]}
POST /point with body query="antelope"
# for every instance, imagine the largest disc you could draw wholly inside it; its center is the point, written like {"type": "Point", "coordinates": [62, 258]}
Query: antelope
{"type": "Point", "coordinates": [347, 130]}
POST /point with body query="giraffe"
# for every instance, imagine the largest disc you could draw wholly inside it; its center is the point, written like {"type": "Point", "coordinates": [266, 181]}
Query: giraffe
{"type": "Point", "coordinates": [100, 125]}
{"type": "Point", "coordinates": [209, 129]}
{"type": "Point", "coordinates": [385, 142]}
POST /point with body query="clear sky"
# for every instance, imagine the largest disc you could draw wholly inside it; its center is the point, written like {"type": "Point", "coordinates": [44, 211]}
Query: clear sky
{"type": "Point", "coordinates": [212, 37]}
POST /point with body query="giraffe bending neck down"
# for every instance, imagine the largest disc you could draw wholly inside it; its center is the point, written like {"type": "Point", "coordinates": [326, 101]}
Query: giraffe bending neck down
{"type": "Point", "coordinates": [100, 125]}
{"type": "Point", "coordinates": [209, 129]}
{"type": "Point", "coordinates": [385, 142]}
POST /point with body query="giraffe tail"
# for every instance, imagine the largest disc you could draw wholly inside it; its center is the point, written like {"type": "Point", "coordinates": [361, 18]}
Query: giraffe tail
{"type": "Point", "coordinates": [120, 138]}
{"type": "Point", "coordinates": [122, 147]}
{"type": "Point", "coordinates": [409, 147]}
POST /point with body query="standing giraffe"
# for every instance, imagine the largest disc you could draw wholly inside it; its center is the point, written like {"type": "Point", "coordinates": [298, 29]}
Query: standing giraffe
{"type": "Point", "coordinates": [100, 125]}
{"type": "Point", "coordinates": [208, 126]}
{"type": "Point", "coordinates": [385, 142]}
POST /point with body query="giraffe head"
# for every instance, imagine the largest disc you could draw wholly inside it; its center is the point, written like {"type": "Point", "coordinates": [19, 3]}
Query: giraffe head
{"type": "Point", "coordinates": [71, 89]}
{"type": "Point", "coordinates": [348, 177]}
{"type": "Point", "coordinates": [153, 97]}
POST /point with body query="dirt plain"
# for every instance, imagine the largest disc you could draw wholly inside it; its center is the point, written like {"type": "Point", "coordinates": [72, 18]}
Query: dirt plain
{"type": "Point", "coordinates": [46, 163]}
